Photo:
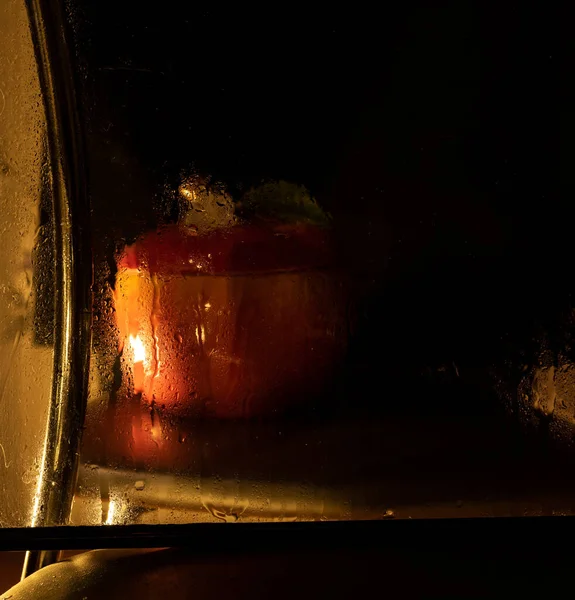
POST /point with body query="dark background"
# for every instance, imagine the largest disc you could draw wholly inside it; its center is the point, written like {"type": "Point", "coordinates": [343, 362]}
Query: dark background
{"type": "Point", "coordinates": [430, 131]}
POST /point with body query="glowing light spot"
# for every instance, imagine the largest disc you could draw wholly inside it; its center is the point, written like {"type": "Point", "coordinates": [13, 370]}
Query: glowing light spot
{"type": "Point", "coordinates": [141, 367]}
{"type": "Point", "coordinates": [111, 512]}
{"type": "Point", "coordinates": [138, 349]}
{"type": "Point", "coordinates": [187, 193]}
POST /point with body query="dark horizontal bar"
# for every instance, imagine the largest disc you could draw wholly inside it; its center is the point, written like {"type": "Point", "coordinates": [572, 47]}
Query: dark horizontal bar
{"type": "Point", "coordinates": [436, 534]}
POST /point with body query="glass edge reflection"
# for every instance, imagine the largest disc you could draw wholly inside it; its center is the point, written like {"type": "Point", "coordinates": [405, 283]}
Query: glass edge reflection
{"type": "Point", "coordinates": [73, 273]}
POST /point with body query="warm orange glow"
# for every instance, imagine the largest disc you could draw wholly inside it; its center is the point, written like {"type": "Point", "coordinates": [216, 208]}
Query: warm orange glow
{"type": "Point", "coordinates": [138, 348]}
{"type": "Point", "coordinates": [140, 362]}
{"type": "Point", "coordinates": [134, 295]}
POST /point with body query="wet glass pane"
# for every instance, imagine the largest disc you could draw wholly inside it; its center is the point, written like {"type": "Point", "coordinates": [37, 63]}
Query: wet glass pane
{"type": "Point", "coordinates": [325, 286]}
{"type": "Point", "coordinates": [26, 260]}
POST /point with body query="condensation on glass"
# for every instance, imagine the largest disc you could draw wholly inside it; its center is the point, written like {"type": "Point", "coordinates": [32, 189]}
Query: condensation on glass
{"type": "Point", "coordinates": [26, 297]}
{"type": "Point", "coordinates": [240, 371]}
{"type": "Point", "coordinates": [257, 352]}
{"type": "Point", "coordinates": [212, 324]}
